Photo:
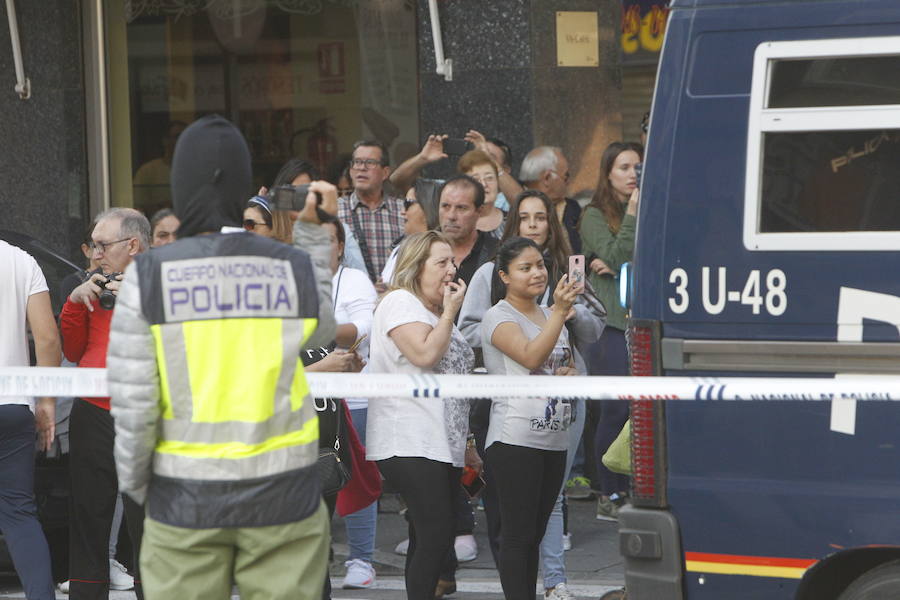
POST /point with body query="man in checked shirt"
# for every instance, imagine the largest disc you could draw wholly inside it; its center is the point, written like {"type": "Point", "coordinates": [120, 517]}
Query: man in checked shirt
{"type": "Point", "coordinates": [375, 218]}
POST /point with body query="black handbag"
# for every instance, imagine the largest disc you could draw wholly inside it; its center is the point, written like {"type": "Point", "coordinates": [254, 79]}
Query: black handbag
{"type": "Point", "coordinates": [333, 472]}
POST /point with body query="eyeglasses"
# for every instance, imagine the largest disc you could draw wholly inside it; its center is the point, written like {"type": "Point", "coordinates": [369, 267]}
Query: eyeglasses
{"type": "Point", "coordinates": [250, 224]}
{"type": "Point", "coordinates": [407, 202]}
{"type": "Point", "coordinates": [369, 163]}
{"type": "Point", "coordinates": [104, 246]}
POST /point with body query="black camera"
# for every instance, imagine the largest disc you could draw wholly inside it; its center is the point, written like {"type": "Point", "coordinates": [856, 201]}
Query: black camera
{"type": "Point", "coordinates": [290, 197]}
{"type": "Point", "coordinates": [107, 298]}
{"type": "Point", "coordinates": [639, 173]}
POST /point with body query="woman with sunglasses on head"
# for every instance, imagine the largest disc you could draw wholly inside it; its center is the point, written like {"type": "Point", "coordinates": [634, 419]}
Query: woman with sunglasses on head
{"type": "Point", "coordinates": [258, 216]}
{"type": "Point", "coordinates": [528, 438]}
{"type": "Point", "coordinates": [607, 230]}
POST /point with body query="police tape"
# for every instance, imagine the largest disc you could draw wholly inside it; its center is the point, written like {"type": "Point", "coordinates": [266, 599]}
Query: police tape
{"type": "Point", "coordinates": [78, 382]}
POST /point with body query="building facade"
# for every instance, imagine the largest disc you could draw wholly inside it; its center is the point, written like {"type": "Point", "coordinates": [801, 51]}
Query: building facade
{"type": "Point", "coordinates": [113, 82]}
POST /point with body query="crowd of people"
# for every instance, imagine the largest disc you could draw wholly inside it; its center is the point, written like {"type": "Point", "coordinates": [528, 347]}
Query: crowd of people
{"type": "Point", "coordinates": [209, 443]}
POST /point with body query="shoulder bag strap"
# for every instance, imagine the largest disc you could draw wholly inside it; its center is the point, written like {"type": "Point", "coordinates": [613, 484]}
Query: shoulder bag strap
{"type": "Point", "coordinates": [363, 246]}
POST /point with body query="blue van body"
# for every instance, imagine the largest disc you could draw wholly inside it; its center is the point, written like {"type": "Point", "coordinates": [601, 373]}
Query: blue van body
{"type": "Point", "coordinates": [766, 499]}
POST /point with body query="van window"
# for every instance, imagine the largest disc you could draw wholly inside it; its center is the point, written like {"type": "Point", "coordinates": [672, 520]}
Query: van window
{"type": "Point", "coordinates": [823, 148]}
{"type": "Point", "coordinates": [831, 181]}
{"type": "Point", "coordinates": [861, 81]}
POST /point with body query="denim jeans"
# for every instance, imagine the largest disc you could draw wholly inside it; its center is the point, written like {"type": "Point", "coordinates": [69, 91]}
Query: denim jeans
{"type": "Point", "coordinates": [553, 562]}
{"type": "Point", "coordinates": [360, 526]}
{"type": "Point", "coordinates": [18, 512]}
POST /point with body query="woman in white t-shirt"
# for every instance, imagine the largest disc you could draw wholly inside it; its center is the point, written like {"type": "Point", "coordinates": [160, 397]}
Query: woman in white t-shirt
{"type": "Point", "coordinates": [528, 437]}
{"type": "Point", "coordinates": [420, 443]}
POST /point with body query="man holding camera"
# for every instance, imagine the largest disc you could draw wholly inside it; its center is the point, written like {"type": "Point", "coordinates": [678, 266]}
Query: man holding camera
{"type": "Point", "coordinates": [119, 235]}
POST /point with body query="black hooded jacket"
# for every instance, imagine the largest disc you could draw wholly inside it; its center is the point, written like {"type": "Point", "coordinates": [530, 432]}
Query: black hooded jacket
{"type": "Point", "coordinates": [211, 176]}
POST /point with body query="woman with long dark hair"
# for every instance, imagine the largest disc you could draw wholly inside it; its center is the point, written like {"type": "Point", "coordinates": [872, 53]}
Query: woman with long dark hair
{"type": "Point", "coordinates": [607, 234]}
{"type": "Point", "coordinates": [532, 216]}
{"type": "Point", "coordinates": [527, 463]}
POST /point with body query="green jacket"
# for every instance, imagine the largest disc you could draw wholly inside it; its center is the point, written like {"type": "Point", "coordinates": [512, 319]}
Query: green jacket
{"type": "Point", "coordinates": [613, 249]}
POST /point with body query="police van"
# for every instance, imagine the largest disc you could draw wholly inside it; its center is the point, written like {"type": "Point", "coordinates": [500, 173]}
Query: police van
{"type": "Point", "coordinates": [768, 244]}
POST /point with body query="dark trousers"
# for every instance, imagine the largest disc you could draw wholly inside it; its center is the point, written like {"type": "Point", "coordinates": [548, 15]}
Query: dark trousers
{"type": "Point", "coordinates": [528, 482]}
{"type": "Point", "coordinates": [479, 419]}
{"type": "Point", "coordinates": [429, 490]}
{"type": "Point", "coordinates": [94, 490]}
{"type": "Point", "coordinates": [18, 512]}
{"type": "Point", "coordinates": [612, 357]}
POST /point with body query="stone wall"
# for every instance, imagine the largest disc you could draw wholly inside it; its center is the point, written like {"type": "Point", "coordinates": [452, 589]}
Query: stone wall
{"type": "Point", "coordinates": [43, 171]}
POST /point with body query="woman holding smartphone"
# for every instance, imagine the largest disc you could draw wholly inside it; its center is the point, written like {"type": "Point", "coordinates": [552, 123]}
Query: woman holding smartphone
{"type": "Point", "coordinates": [527, 439]}
{"type": "Point", "coordinates": [532, 216]}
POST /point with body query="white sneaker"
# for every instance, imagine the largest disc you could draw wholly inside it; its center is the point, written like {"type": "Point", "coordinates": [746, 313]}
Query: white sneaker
{"type": "Point", "coordinates": [560, 592]}
{"type": "Point", "coordinates": [63, 587]}
{"type": "Point", "coordinates": [119, 579]}
{"type": "Point", "coordinates": [402, 548]}
{"type": "Point", "coordinates": [360, 575]}
{"type": "Point", "coordinates": [466, 548]}
{"type": "Point", "coordinates": [567, 542]}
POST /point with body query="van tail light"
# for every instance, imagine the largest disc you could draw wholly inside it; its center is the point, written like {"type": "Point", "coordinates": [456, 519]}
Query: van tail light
{"type": "Point", "coordinates": [648, 447]}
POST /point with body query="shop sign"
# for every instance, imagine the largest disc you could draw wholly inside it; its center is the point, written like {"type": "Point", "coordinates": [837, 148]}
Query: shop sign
{"type": "Point", "coordinates": [577, 42]}
{"type": "Point", "coordinates": [643, 28]}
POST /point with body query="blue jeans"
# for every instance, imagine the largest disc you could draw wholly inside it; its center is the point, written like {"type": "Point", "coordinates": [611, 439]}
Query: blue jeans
{"type": "Point", "coordinates": [360, 526]}
{"type": "Point", "coordinates": [553, 563]}
{"type": "Point", "coordinates": [18, 512]}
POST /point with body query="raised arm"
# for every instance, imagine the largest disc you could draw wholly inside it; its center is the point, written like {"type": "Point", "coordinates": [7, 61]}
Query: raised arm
{"type": "Point", "coordinates": [508, 184]}
{"type": "Point", "coordinates": [509, 338]}
{"type": "Point", "coordinates": [614, 249]}
{"type": "Point", "coordinates": [424, 345]}
{"type": "Point", "coordinates": [404, 176]}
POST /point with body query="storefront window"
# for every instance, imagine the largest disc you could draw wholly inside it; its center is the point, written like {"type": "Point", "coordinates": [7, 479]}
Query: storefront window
{"type": "Point", "coordinates": [300, 78]}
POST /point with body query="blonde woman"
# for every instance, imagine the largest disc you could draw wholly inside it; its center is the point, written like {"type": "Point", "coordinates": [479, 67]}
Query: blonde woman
{"type": "Point", "coordinates": [420, 444]}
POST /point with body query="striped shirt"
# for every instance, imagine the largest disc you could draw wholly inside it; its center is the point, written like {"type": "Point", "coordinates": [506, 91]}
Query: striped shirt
{"type": "Point", "coordinates": [380, 227]}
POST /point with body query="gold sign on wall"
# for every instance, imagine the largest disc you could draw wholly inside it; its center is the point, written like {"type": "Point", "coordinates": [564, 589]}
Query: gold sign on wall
{"type": "Point", "coordinates": [577, 42]}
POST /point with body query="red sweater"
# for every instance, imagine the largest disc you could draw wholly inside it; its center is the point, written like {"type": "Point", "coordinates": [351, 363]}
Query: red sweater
{"type": "Point", "coordinates": [85, 337]}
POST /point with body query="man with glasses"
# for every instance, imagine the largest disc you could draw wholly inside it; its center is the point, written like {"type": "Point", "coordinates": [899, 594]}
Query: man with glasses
{"type": "Point", "coordinates": [546, 169]}
{"type": "Point", "coordinates": [375, 218]}
{"type": "Point", "coordinates": [118, 236]}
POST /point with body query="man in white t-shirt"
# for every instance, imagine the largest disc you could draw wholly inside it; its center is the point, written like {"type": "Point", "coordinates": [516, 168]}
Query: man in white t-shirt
{"type": "Point", "coordinates": [24, 298]}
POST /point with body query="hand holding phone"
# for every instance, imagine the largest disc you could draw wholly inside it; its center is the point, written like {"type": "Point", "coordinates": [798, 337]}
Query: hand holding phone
{"type": "Point", "coordinates": [456, 146]}
{"type": "Point", "coordinates": [356, 344]}
{"type": "Point", "coordinates": [576, 272]}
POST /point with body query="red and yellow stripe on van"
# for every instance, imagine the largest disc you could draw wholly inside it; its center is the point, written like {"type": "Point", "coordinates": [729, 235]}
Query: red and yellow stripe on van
{"type": "Point", "coordinates": [757, 566]}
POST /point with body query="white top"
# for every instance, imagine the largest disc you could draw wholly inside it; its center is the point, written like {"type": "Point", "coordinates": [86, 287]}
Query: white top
{"type": "Point", "coordinates": [432, 428]}
{"type": "Point", "coordinates": [541, 423]}
{"type": "Point", "coordinates": [388, 271]}
{"type": "Point", "coordinates": [22, 278]}
{"type": "Point", "coordinates": [354, 302]}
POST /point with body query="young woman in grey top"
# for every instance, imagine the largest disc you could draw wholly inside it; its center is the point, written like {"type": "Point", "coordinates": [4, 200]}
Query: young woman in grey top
{"type": "Point", "coordinates": [527, 438]}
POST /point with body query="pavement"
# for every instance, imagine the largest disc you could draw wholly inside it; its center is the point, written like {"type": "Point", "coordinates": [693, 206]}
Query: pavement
{"type": "Point", "coordinates": [593, 566]}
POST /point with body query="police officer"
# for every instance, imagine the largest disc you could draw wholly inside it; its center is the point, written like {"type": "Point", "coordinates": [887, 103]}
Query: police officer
{"type": "Point", "coordinates": [215, 429]}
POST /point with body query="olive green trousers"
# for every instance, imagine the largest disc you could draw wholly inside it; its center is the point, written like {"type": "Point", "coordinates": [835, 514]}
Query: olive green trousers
{"type": "Point", "coordinates": [279, 562]}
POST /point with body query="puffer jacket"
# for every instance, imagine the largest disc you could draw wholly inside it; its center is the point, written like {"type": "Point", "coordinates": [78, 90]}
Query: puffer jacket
{"type": "Point", "coordinates": [214, 423]}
